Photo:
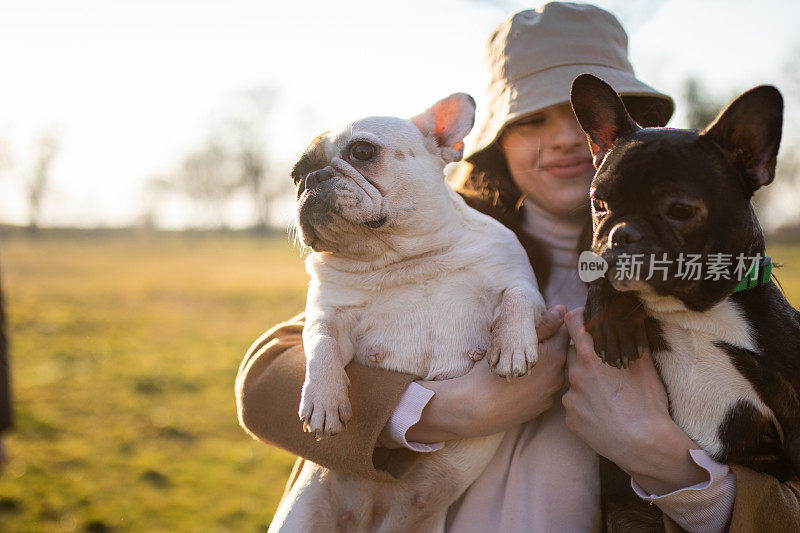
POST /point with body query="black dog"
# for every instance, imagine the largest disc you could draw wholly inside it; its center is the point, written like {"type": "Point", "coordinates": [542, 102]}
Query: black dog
{"type": "Point", "coordinates": [727, 350]}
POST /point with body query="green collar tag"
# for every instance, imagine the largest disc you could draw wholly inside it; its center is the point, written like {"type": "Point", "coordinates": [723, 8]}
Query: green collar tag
{"type": "Point", "coordinates": [757, 276]}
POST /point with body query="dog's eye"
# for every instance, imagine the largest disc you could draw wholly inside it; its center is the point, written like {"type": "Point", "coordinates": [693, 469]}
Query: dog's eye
{"type": "Point", "coordinates": [362, 151]}
{"type": "Point", "coordinates": [679, 211]}
{"type": "Point", "coordinates": [599, 206]}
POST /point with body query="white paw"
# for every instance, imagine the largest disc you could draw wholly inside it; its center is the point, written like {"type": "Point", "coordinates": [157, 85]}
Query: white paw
{"type": "Point", "coordinates": [513, 349]}
{"type": "Point", "coordinates": [325, 406]}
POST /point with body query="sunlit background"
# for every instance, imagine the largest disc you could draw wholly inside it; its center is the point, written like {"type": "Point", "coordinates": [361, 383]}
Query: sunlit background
{"type": "Point", "coordinates": [125, 122]}
{"type": "Point", "coordinates": [144, 113]}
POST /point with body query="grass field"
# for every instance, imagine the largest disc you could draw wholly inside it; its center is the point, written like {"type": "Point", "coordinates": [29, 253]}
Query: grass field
{"type": "Point", "coordinates": [124, 355]}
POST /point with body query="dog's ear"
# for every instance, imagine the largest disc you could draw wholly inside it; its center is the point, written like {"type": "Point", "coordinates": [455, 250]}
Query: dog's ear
{"type": "Point", "coordinates": [749, 130]}
{"type": "Point", "coordinates": [448, 121]}
{"type": "Point", "coordinates": [601, 114]}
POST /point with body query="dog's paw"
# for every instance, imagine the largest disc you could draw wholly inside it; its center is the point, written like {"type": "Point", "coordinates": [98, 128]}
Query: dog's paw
{"type": "Point", "coordinates": [325, 406]}
{"type": "Point", "coordinates": [616, 321]}
{"type": "Point", "coordinates": [513, 340]}
{"type": "Point", "coordinates": [512, 350]}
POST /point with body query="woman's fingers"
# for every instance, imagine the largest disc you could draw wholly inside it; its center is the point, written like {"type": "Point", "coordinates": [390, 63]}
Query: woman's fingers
{"type": "Point", "coordinates": [582, 339]}
{"type": "Point", "coordinates": [645, 365]}
{"type": "Point", "coordinates": [571, 355]}
{"type": "Point", "coordinates": [555, 347]}
{"type": "Point", "coordinates": [551, 321]}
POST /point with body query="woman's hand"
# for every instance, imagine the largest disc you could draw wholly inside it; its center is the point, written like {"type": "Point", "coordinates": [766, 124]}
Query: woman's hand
{"type": "Point", "coordinates": [481, 403]}
{"type": "Point", "coordinates": [624, 415]}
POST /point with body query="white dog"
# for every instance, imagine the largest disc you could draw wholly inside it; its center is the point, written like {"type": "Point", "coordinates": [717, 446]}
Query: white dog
{"type": "Point", "coordinates": [404, 276]}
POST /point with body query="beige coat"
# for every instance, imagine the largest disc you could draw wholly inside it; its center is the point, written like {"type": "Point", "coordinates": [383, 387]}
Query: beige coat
{"type": "Point", "coordinates": [268, 393]}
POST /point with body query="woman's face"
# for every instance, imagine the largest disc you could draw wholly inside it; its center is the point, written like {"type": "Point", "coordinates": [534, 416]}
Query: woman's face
{"type": "Point", "coordinates": [549, 160]}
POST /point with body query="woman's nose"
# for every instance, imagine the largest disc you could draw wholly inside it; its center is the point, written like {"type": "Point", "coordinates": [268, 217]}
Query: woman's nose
{"type": "Point", "coordinates": [567, 132]}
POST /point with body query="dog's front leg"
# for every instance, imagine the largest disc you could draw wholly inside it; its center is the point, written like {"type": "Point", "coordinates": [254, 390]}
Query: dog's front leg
{"type": "Point", "coordinates": [324, 404]}
{"type": "Point", "coordinates": [617, 322]}
{"type": "Point", "coordinates": [513, 344]}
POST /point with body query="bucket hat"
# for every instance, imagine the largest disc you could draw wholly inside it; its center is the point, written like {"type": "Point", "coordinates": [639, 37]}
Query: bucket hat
{"type": "Point", "coordinates": [534, 55]}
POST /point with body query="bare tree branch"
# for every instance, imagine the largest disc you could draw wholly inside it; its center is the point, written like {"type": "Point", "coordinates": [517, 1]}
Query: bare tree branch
{"type": "Point", "coordinates": [45, 152]}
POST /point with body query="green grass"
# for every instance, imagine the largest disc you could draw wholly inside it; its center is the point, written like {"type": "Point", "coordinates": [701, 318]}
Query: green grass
{"type": "Point", "coordinates": [124, 355]}
{"type": "Point", "coordinates": [787, 257]}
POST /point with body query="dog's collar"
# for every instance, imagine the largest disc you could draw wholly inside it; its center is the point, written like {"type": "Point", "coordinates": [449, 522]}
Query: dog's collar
{"type": "Point", "coordinates": [757, 276]}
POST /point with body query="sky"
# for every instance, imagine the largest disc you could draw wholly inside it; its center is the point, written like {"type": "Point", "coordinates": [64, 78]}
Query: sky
{"type": "Point", "coordinates": [130, 86]}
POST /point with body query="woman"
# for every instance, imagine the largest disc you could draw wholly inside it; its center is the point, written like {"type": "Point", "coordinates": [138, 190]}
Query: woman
{"type": "Point", "coordinates": [530, 169]}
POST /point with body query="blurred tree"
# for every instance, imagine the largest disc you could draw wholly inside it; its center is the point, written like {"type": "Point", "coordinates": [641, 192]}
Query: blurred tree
{"type": "Point", "coordinates": [153, 191]}
{"type": "Point", "coordinates": [235, 160]}
{"type": "Point", "coordinates": [776, 205]}
{"type": "Point", "coordinates": [208, 177]}
{"type": "Point", "coordinates": [245, 131]}
{"type": "Point", "coordinates": [45, 151]}
{"type": "Point", "coordinates": [786, 190]}
{"type": "Point", "coordinates": [701, 108]}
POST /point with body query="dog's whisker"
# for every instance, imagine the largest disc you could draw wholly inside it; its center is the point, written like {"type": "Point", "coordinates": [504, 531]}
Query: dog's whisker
{"type": "Point", "coordinates": [294, 236]}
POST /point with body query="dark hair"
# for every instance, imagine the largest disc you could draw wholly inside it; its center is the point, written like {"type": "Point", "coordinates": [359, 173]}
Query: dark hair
{"type": "Point", "coordinates": [485, 184]}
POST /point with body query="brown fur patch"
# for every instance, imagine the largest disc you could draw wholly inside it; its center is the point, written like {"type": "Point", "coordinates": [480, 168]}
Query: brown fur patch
{"type": "Point", "coordinates": [399, 155]}
{"type": "Point", "coordinates": [314, 158]}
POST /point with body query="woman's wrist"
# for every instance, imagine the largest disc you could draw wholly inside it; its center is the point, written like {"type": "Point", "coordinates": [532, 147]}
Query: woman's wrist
{"type": "Point", "coordinates": [662, 463]}
{"type": "Point", "coordinates": [481, 403]}
{"type": "Point", "coordinates": [445, 417]}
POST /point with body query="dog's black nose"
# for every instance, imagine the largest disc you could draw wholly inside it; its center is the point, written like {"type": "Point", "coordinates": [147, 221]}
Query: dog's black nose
{"type": "Point", "coordinates": [318, 176]}
{"type": "Point", "coordinates": [623, 234]}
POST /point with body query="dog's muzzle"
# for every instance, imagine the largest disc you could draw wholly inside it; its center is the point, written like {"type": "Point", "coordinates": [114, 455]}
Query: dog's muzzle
{"type": "Point", "coordinates": [336, 189]}
{"type": "Point", "coordinates": [318, 176]}
{"type": "Point", "coordinates": [314, 179]}
{"type": "Point", "coordinates": [315, 203]}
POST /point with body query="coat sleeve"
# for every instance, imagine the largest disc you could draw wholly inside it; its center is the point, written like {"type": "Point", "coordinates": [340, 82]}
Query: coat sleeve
{"type": "Point", "coordinates": [5, 380]}
{"type": "Point", "coordinates": [762, 503]}
{"type": "Point", "coordinates": [268, 389]}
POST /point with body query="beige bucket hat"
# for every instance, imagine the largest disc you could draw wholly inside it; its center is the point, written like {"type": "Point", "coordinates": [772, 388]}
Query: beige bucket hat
{"type": "Point", "coordinates": [534, 55]}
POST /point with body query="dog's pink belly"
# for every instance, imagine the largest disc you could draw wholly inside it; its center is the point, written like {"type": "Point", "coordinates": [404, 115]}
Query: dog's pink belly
{"type": "Point", "coordinates": [426, 367]}
{"type": "Point", "coordinates": [436, 333]}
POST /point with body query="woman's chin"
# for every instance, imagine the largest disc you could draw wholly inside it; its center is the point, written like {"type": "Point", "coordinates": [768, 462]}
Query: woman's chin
{"type": "Point", "coordinates": [565, 201]}
{"type": "Point", "coordinates": [575, 206]}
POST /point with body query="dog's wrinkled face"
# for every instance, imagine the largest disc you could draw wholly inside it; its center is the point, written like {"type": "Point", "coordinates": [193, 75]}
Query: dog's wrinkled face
{"type": "Point", "coordinates": [666, 195]}
{"type": "Point", "coordinates": [653, 199]}
{"type": "Point", "coordinates": [378, 176]}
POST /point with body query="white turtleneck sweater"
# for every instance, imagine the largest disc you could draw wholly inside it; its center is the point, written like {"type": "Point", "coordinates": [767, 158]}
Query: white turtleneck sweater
{"type": "Point", "coordinates": [544, 478]}
{"type": "Point", "coordinates": [559, 236]}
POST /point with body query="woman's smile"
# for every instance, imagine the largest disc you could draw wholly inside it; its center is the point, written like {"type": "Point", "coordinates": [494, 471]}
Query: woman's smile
{"type": "Point", "coordinates": [568, 167]}
{"type": "Point", "coordinates": [548, 159]}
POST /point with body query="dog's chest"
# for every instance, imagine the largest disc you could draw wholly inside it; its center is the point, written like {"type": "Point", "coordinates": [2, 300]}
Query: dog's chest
{"type": "Point", "coordinates": [430, 328]}
{"type": "Point", "coordinates": [705, 389]}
